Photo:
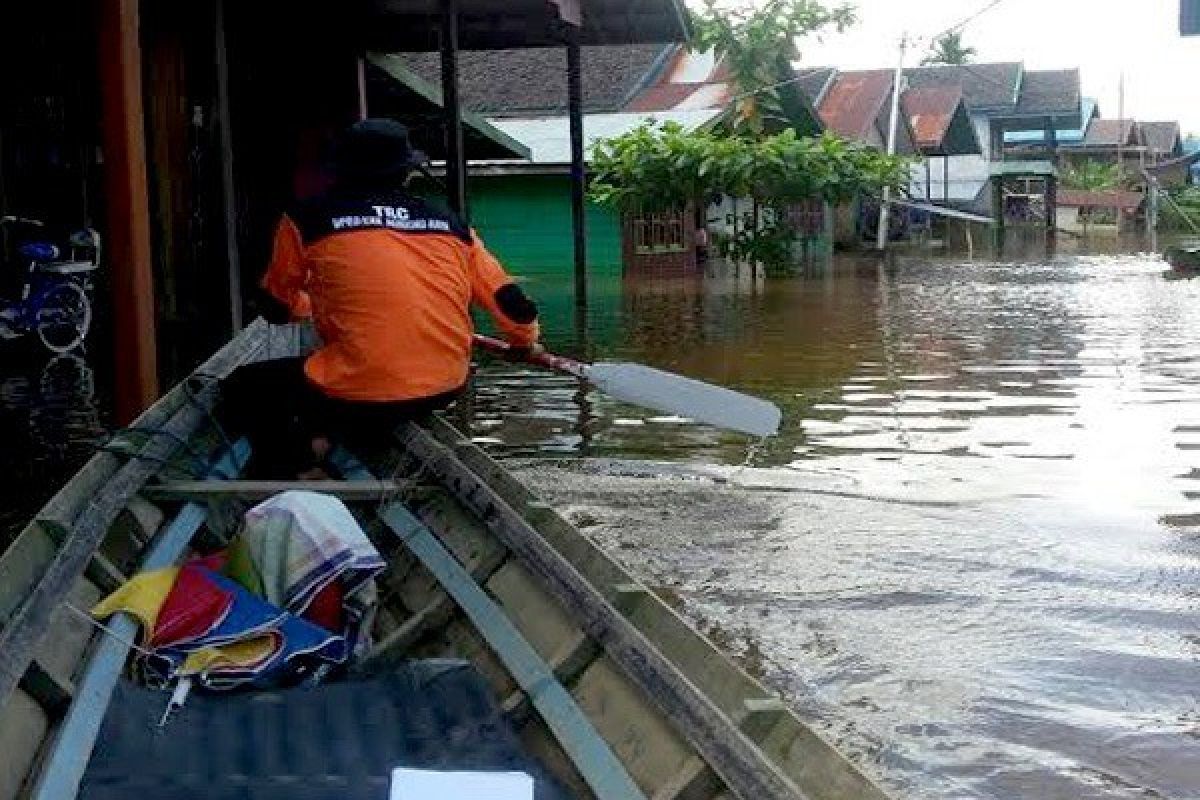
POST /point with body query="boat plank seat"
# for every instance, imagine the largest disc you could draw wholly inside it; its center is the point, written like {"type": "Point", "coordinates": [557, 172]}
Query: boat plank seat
{"type": "Point", "coordinates": [357, 490]}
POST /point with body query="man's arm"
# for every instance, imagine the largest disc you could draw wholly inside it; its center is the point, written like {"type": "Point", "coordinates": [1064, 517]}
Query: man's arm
{"type": "Point", "coordinates": [493, 289]}
{"type": "Point", "coordinates": [285, 284]}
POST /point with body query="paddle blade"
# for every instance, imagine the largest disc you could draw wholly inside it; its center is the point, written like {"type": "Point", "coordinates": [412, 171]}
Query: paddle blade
{"type": "Point", "coordinates": [674, 394]}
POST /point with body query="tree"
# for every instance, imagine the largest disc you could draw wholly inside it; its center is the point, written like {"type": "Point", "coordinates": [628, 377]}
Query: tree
{"type": "Point", "coordinates": [1090, 176]}
{"type": "Point", "coordinates": [758, 44]}
{"type": "Point", "coordinates": [667, 168]}
{"type": "Point", "coordinates": [949, 49]}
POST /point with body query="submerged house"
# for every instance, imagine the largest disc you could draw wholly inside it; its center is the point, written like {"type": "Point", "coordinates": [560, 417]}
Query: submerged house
{"type": "Point", "coordinates": [624, 87]}
{"type": "Point", "coordinates": [942, 129]}
{"type": "Point", "coordinates": [994, 171]}
{"type": "Point", "coordinates": [522, 207]}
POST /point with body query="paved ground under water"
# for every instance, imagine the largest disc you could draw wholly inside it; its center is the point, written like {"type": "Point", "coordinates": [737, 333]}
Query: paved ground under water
{"type": "Point", "coordinates": [971, 558]}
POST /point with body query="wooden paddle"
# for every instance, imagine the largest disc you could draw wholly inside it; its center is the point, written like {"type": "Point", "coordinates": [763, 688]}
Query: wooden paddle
{"type": "Point", "coordinates": [659, 390]}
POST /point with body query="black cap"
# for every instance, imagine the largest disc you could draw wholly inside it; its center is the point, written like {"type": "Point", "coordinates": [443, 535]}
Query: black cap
{"type": "Point", "coordinates": [374, 149]}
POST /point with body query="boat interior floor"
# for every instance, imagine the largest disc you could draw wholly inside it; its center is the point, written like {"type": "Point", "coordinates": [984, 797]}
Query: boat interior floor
{"type": "Point", "coordinates": [335, 741]}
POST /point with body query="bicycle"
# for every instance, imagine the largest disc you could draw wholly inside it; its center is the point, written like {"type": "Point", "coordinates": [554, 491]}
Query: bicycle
{"type": "Point", "coordinates": [53, 297]}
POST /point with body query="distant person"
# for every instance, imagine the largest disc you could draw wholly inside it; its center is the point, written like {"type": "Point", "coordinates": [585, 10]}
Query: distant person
{"type": "Point", "coordinates": [388, 281]}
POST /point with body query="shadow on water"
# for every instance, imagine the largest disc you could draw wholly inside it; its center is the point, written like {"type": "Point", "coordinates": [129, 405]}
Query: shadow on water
{"type": "Point", "coordinates": [52, 417]}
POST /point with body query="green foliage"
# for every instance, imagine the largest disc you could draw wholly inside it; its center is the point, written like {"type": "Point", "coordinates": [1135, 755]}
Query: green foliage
{"type": "Point", "coordinates": [757, 43]}
{"type": "Point", "coordinates": [1184, 213]}
{"type": "Point", "coordinates": [1090, 176]}
{"type": "Point", "coordinates": [666, 167]}
{"type": "Point", "coordinates": [949, 49]}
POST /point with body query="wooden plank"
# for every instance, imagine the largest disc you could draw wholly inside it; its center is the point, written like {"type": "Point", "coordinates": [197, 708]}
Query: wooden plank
{"type": "Point", "coordinates": [100, 570]}
{"type": "Point", "coordinates": [62, 772]}
{"type": "Point", "coordinates": [23, 726]}
{"type": "Point", "coordinates": [697, 780]}
{"type": "Point", "coordinates": [591, 755]}
{"type": "Point", "coordinates": [360, 490]}
{"type": "Point", "coordinates": [740, 763]}
{"type": "Point", "coordinates": [51, 692]}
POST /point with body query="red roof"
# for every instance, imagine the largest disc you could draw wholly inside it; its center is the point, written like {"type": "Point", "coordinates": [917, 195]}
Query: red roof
{"type": "Point", "coordinates": [854, 102]}
{"type": "Point", "coordinates": [930, 111]}
{"type": "Point", "coordinates": [662, 97]}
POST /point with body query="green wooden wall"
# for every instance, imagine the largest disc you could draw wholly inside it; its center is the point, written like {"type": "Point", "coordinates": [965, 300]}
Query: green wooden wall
{"type": "Point", "coordinates": [526, 221]}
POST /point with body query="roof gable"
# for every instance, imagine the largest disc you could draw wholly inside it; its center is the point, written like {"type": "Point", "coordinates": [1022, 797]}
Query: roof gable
{"type": "Point", "coordinates": [1052, 93]}
{"type": "Point", "coordinates": [854, 101]}
{"type": "Point", "coordinates": [1111, 133]}
{"type": "Point", "coordinates": [857, 106]}
{"type": "Point", "coordinates": [1163, 138]}
{"type": "Point", "coordinates": [985, 86]}
{"type": "Point", "coordinates": [939, 121]}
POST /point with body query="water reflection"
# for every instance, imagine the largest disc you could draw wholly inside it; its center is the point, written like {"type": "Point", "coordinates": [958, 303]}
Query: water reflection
{"type": "Point", "coordinates": [51, 420]}
{"type": "Point", "coordinates": [982, 530]}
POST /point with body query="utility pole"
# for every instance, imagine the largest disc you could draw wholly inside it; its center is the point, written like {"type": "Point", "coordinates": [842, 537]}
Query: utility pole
{"type": "Point", "coordinates": [1120, 137]}
{"type": "Point", "coordinates": [897, 88]}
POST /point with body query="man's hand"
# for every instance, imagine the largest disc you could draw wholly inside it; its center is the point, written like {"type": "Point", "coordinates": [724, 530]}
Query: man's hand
{"type": "Point", "coordinates": [515, 353]}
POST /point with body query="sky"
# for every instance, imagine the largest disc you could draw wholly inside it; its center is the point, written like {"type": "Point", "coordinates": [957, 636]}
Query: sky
{"type": "Point", "coordinates": [1102, 37]}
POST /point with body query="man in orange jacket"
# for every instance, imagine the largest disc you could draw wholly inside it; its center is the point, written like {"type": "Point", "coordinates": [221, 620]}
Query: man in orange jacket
{"type": "Point", "coordinates": [388, 280]}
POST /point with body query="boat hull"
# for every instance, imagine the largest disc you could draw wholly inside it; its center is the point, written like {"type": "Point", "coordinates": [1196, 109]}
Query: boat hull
{"type": "Point", "coordinates": [643, 693]}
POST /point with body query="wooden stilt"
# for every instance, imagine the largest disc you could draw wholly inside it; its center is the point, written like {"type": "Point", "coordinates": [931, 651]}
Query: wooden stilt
{"type": "Point", "coordinates": [456, 166]}
{"type": "Point", "coordinates": [127, 207]}
{"type": "Point", "coordinates": [233, 259]}
{"type": "Point", "coordinates": [578, 170]}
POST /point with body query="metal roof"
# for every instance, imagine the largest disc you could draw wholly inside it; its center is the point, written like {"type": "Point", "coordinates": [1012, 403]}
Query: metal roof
{"type": "Point", "coordinates": [1163, 138]}
{"type": "Point", "coordinates": [854, 101]}
{"type": "Point", "coordinates": [815, 81]}
{"type": "Point", "coordinates": [985, 86]}
{"type": "Point", "coordinates": [532, 82]}
{"type": "Point", "coordinates": [395, 91]}
{"type": "Point", "coordinates": [939, 121]}
{"type": "Point", "coordinates": [413, 25]}
{"type": "Point", "coordinates": [1109, 133]}
{"type": "Point", "coordinates": [549, 138]}
{"type": "Point", "coordinates": [1053, 93]}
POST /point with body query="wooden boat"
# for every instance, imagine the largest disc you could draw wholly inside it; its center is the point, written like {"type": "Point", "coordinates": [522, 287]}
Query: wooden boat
{"type": "Point", "coordinates": [608, 687]}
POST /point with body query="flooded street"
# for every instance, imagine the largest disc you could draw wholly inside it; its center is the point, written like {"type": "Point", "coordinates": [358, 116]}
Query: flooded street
{"type": "Point", "coordinates": [972, 556]}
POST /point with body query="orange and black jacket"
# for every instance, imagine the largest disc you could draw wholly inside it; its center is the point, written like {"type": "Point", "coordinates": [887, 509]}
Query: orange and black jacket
{"type": "Point", "coordinates": [389, 281]}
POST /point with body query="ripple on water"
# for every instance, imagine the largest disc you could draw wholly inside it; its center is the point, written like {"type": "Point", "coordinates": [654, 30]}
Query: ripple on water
{"type": "Point", "coordinates": [972, 555]}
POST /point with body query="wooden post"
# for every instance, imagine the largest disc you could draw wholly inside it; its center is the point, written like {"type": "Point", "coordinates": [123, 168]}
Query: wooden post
{"type": "Point", "coordinates": [998, 211]}
{"type": "Point", "coordinates": [578, 169]}
{"type": "Point", "coordinates": [363, 108]}
{"type": "Point", "coordinates": [233, 259]}
{"type": "Point", "coordinates": [127, 207]}
{"type": "Point", "coordinates": [456, 167]}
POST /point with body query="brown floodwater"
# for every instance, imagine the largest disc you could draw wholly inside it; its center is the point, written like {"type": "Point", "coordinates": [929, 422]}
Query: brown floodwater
{"type": "Point", "coordinates": [972, 553]}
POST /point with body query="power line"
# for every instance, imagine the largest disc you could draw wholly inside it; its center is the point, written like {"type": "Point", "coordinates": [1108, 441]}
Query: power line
{"type": "Point", "coordinates": [964, 23]}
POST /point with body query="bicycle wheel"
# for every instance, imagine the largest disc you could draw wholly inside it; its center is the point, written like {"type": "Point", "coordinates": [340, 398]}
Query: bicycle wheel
{"type": "Point", "coordinates": [63, 318]}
